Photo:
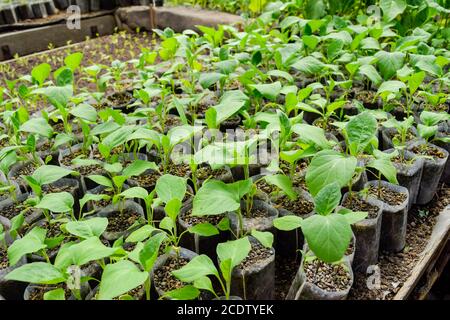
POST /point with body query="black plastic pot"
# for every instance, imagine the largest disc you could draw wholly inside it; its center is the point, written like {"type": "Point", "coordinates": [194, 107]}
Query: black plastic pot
{"type": "Point", "coordinates": [113, 210]}
{"type": "Point", "coordinates": [62, 4]}
{"type": "Point", "coordinates": [2, 22]}
{"type": "Point", "coordinates": [83, 4]}
{"type": "Point", "coordinates": [388, 133]}
{"type": "Point", "coordinates": [394, 220]}
{"type": "Point", "coordinates": [9, 15]}
{"type": "Point", "coordinates": [43, 154]}
{"type": "Point", "coordinates": [75, 190]}
{"type": "Point", "coordinates": [409, 176]}
{"type": "Point", "coordinates": [260, 223]}
{"type": "Point", "coordinates": [50, 8]}
{"type": "Point", "coordinates": [14, 175]}
{"type": "Point", "coordinates": [11, 290]}
{"type": "Point", "coordinates": [196, 243]}
{"type": "Point", "coordinates": [161, 261]}
{"type": "Point", "coordinates": [108, 4]}
{"type": "Point", "coordinates": [288, 243]}
{"type": "Point", "coordinates": [301, 289]}
{"type": "Point", "coordinates": [84, 290]}
{"type": "Point", "coordinates": [30, 218]}
{"type": "Point", "coordinates": [24, 11]}
{"type": "Point", "coordinates": [255, 282]}
{"type": "Point", "coordinates": [94, 5]}
{"type": "Point", "coordinates": [445, 145]}
{"type": "Point", "coordinates": [367, 234]}
{"type": "Point", "coordinates": [39, 10]}
{"type": "Point", "coordinates": [431, 175]}
{"type": "Point", "coordinates": [125, 3]}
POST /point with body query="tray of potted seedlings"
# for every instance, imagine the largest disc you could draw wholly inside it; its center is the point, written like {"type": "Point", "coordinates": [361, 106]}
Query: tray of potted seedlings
{"type": "Point", "coordinates": [290, 159]}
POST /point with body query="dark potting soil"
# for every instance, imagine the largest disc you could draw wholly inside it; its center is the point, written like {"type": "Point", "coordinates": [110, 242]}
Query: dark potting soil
{"type": "Point", "coordinates": [4, 262]}
{"type": "Point", "coordinates": [286, 269]}
{"type": "Point", "coordinates": [205, 172]}
{"type": "Point", "coordinates": [120, 98]}
{"type": "Point", "coordinates": [329, 277]}
{"type": "Point", "coordinates": [147, 180]}
{"type": "Point", "coordinates": [265, 187]}
{"type": "Point", "coordinates": [257, 253]}
{"type": "Point", "coordinates": [358, 204]}
{"type": "Point", "coordinates": [26, 170]}
{"type": "Point", "coordinates": [46, 146]}
{"type": "Point", "coordinates": [121, 221]}
{"type": "Point", "coordinates": [179, 170]}
{"type": "Point", "coordinates": [83, 170]}
{"type": "Point", "coordinates": [55, 189]}
{"type": "Point", "coordinates": [38, 292]}
{"type": "Point", "coordinates": [163, 278]}
{"type": "Point", "coordinates": [427, 150]}
{"type": "Point", "coordinates": [135, 293]}
{"type": "Point", "coordinates": [299, 207]}
{"type": "Point", "coordinates": [388, 196]}
{"type": "Point", "coordinates": [396, 268]}
{"type": "Point", "coordinates": [103, 203]}
{"type": "Point", "coordinates": [13, 210]}
{"type": "Point", "coordinates": [193, 220]}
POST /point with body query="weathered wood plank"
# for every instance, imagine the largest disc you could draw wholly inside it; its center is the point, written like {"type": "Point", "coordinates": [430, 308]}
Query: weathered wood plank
{"type": "Point", "coordinates": [436, 245]}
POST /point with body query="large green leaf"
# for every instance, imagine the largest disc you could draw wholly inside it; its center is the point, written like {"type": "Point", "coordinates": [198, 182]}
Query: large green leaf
{"type": "Point", "coordinates": [327, 199]}
{"type": "Point", "coordinates": [268, 90]}
{"type": "Point", "coordinates": [389, 62]}
{"type": "Point", "coordinates": [288, 223]}
{"type": "Point", "coordinates": [327, 236]}
{"type": "Point", "coordinates": [48, 174]}
{"type": "Point", "coordinates": [119, 278]}
{"type": "Point", "coordinates": [236, 251]}
{"type": "Point", "coordinates": [91, 249]}
{"type": "Point", "coordinates": [386, 168]}
{"type": "Point", "coordinates": [170, 187]}
{"type": "Point", "coordinates": [284, 183]}
{"type": "Point", "coordinates": [58, 96]}
{"type": "Point", "coordinates": [198, 267]}
{"type": "Point", "coordinates": [87, 228]}
{"type": "Point", "coordinates": [230, 103]}
{"type": "Point", "coordinates": [57, 202]}
{"type": "Point", "coordinates": [392, 8]}
{"type": "Point", "coordinates": [360, 131]}
{"type": "Point", "coordinates": [37, 126]}
{"type": "Point", "coordinates": [329, 166]}
{"type": "Point", "coordinates": [311, 134]}
{"type": "Point", "coordinates": [33, 241]}
{"type": "Point", "coordinates": [216, 197]}
{"type": "Point", "coordinates": [41, 72]}
{"type": "Point", "coordinates": [37, 272]}
{"type": "Point", "coordinates": [85, 112]}
{"type": "Point", "coordinates": [309, 65]}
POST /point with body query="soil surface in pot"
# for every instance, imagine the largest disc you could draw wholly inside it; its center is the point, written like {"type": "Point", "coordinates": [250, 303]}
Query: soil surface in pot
{"type": "Point", "coordinates": [179, 170]}
{"type": "Point", "coordinates": [427, 150]}
{"type": "Point", "coordinates": [120, 98]}
{"type": "Point", "coordinates": [299, 207]}
{"type": "Point", "coordinates": [55, 189]}
{"type": "Point", "coordinates": [265, 187]}
{"type": "Point", "coordinates": [147, 180]}
{"type": "Point", "coordinates": [103, 203]}
{"type": "Point", "coordinates": [26, 170]}
{"type": "Point", "coordinates": [357, 204]}
{"type": "Point", "coordinates": [194, 220]}
{"type": "Point", "coordinates": [205, 172]}
{"type": "Point", "coordinates": [83, 170]}
{"type": "Point", "coordinates": [329, 277]}
{"type": "Point", "coordinates": [121, 221]}
{"type": "Point", "coordinates": [396, 268]}
{"type": "Point", "coordinates": [388, 196]}
{"type": "Point", "coordinates": [163, 278]}
{"type": "Point", "coordinates": [4, 262]}
{"type": "Point", "coordinates": [257, 253]}
{"type": "Point", "coordinates": [38, 292]}
{"type": "Point", "coordinates": [13, 210]}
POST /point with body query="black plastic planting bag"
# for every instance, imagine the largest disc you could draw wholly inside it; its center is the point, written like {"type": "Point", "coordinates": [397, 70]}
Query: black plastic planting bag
{"type": "Point", "coordinates": [24, 11]}
{"type": "Point", "coordinates": [12, 290]}
{"type": "Point", "coordinates": [199, 244]}
{"type": "Point", "coordinates": [394, 219]}
{"type": "Point", "coordinates": [259, 223]}
{"type": "Point", "coordinates": [62, 4]}
{"type": "Point", "coordinates": [85, 289]}
{"type": "Point", "coordinates": [50, 7]}
{"type": "Point", "coordinates": [432, 172]}
{"type": "Point", "coordinates": [301, 289]}
{"type": "Point", "coordinates": [288, 243]}
{"type": "Point", "coordinates": [39, 10]}
{"type": "Point", "coordinates": [14, 173]}
{"type": "Point", "coordinates": [83, 4]}
{"type": "Point", "coordinates": [367, 237]}
{"type": "Point", "coordinates": [256, 282]}
{"type": "Point", "coordinates": [112, 210]}
{"type": "Point", "coordinates": [32, 215]}
{"type": "Point", "coordinates": [445, 145]}
{"type": "Point", "coordinates": [409, 176]}
{"type": "Point", "coordinates": [161, 261]}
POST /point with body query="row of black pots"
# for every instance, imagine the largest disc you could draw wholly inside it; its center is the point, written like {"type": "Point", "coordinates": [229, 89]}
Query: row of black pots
{"type": "Point", "coordinates": [14, 13]}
